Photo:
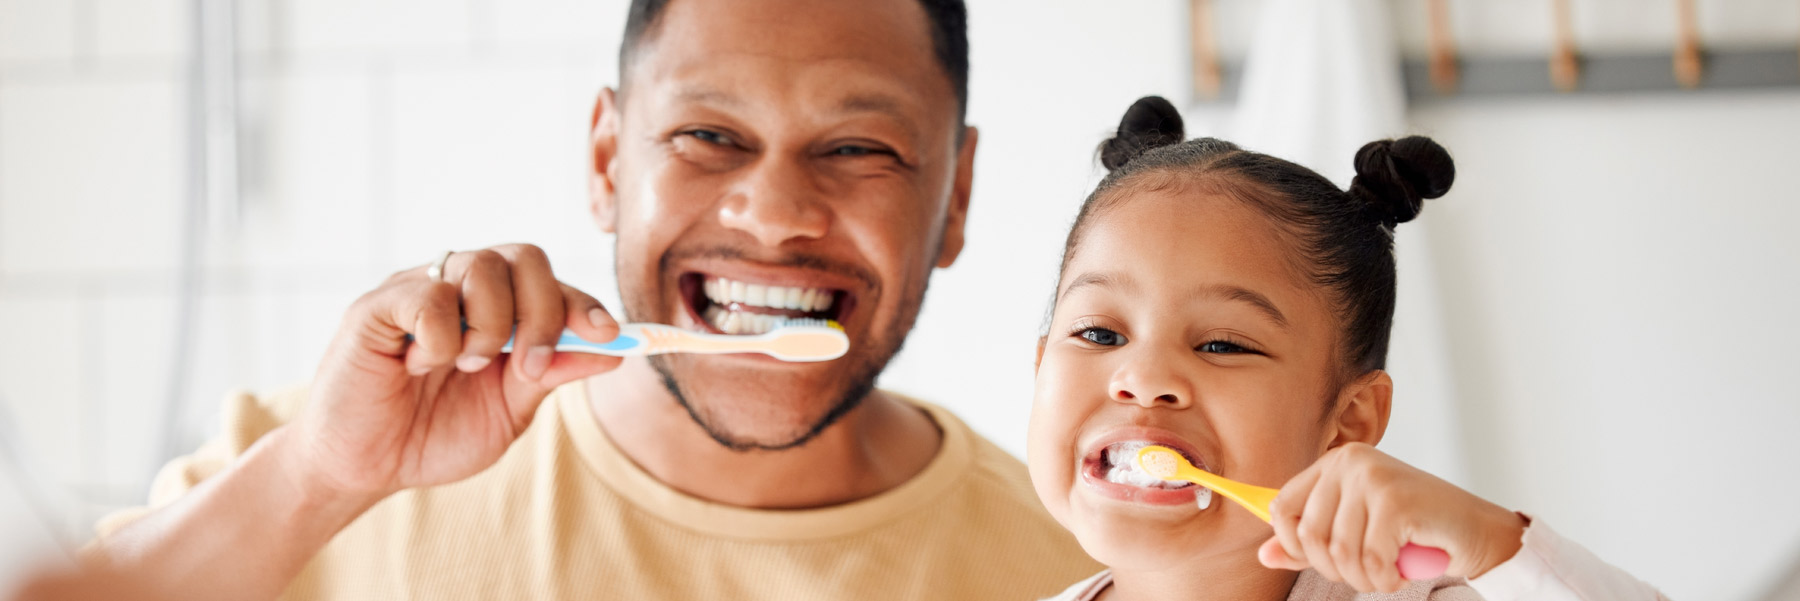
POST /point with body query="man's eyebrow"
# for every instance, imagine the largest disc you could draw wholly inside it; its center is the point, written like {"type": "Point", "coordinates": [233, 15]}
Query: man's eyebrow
{"type": "Point", "coordinates": [1244, 295]}
{"type": "Point", "coordinates": [1103, 279]}
{"type": "Point", "coordinates": [703, 95]}
{"type": "Point", "coordinates": [877, 103]}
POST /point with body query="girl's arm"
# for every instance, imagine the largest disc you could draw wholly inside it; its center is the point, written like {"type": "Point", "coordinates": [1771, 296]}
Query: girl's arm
{"type": "Point", "coordinates": [1551, 568]}
{"type": "Point", "coordinates": [1348, 514]}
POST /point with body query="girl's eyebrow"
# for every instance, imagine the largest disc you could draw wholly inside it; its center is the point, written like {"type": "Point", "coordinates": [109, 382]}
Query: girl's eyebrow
{"type": "Point", "coordinates": [1244, 295]}
{"type": "Point", "coordinates": [1103, 279]}
{"type": "Point", "coordinates": [1123, 283]}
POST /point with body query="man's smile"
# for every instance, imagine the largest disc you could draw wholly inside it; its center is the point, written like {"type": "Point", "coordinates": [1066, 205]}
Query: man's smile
{"type": "Point", "coordinates": [749, 304]}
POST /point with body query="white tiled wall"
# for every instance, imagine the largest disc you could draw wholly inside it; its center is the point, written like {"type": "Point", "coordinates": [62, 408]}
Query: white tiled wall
{"type": "Point", "coordinates": [375, 133]}
{"type": "Point", "coordinates": [93, 173]}
{"type": "Point", "coordinates": [33, 29]}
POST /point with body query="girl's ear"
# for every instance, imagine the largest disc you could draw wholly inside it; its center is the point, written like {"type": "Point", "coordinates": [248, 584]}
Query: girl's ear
{"type": "Point", "coordinates": [1362, 410]}
{"type": "Point", "coordinates": [1040, 354]}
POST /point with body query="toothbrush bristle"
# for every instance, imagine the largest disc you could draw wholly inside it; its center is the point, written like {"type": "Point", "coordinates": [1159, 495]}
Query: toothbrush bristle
{"type": "Point", "coordinates": [811, 322]}
{"type": "Point", "coordinates": [1158, 462]}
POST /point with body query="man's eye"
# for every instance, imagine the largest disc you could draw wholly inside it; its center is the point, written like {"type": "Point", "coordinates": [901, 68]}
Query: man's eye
{"type": "Point", "coordinates": [1103, 337]}
{"type": "Point", "coordinates": [710, 137]}
{"type": "Point", "coordinates": [1222, 347]}
{"type": "Point", "coordinates": [855, 151]}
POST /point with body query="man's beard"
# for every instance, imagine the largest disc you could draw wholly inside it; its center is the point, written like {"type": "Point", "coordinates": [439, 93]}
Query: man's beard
{"type": "Point", "coordinates": [861, 384]}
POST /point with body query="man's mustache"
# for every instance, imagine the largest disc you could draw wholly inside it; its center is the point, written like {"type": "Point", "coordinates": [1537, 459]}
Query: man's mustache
{"type": "Point", "coordinates": [804, 261]}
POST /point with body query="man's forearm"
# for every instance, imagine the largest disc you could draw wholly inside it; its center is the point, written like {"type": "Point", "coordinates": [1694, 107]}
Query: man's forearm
{"type": "Point", "coordinates": [243, 534]}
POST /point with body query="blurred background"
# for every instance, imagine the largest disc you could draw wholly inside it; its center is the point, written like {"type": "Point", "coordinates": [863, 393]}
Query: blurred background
{"type": "Point", "coordinates": [1597, 325]}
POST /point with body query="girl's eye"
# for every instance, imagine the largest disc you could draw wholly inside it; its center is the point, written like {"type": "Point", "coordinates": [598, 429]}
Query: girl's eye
{"type": "Point", "coordinates": [1103, 337]}
{"type": "Point", "coordinates": [1222, 347]}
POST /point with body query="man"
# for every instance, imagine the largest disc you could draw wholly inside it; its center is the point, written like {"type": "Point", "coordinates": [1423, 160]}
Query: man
{"type": "Point", "coordinates": [760, 159]}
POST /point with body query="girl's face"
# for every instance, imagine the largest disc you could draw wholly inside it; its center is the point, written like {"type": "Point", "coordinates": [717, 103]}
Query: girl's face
{"type": "Point", "coordinates": [1181, 322]}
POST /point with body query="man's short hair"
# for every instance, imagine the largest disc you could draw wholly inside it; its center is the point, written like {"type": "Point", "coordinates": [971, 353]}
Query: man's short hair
{"type": "Point", "coordinates": [949, 39]}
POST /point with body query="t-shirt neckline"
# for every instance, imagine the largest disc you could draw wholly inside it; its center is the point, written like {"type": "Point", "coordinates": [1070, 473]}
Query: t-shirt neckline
{"type": "Point", "coordinates": [646, 493]}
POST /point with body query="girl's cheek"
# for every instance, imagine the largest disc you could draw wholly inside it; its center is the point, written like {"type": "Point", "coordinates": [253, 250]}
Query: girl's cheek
{"type": "Point", "coordinates": [1056, 416]}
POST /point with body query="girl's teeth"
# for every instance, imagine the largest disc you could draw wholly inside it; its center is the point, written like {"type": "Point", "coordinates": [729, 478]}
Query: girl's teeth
{"type": "Point", "coordinates": [1125, 470]}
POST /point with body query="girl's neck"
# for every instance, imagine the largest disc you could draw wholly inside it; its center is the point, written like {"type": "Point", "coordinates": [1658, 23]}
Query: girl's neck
{"type": "Point", "coordinates": [1238, 576]}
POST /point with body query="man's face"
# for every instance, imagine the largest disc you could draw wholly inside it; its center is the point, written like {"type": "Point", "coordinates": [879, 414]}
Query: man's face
{"type": "Point", "coordinates": [770, 159]}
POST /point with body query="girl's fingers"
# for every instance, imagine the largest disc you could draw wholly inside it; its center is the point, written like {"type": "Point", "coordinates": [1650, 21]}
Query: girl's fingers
{"type": "Point", "coordinates": [1346, 545]}
{"type": "Point", "coordinates": [1381, 550]}
{"type": "Point", "coordinates": [1285, 513]}
{"type": "Point", "coordinates": [1315, 527]}
{"type": "Point", "coordinates": [1272, 556]}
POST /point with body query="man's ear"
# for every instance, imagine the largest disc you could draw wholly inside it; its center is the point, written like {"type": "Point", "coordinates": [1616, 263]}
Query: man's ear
{"type": "Point", "coordinates": [957, 213]}
{"type": "Point", "coordinates": [603, 146]}
{"type": "Point", "coordinates": [1362, 410]}
{"type": "Point", "coordinates": [1039, 360]}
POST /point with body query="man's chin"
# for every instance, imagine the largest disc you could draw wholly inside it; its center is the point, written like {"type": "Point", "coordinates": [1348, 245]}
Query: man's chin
{"type": "Point", "coordinates": [745, 408]}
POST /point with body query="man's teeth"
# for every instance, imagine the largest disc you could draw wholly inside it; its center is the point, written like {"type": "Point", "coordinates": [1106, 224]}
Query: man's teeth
{"type": "Point", "coordinates": [742, 322]}
{"type": "Point", "coordinates": [732, 304]}
{"type": "Point", "coordinates": [722, 291]}
{"type": "Point", "coordinates": [1125, 470]}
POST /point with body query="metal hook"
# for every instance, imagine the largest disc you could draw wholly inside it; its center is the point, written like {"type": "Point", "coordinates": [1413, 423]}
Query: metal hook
{"type": "Point", "coordinates": [1443, 47]}
{"type": "Point", "coordinates": [1204, 50]}
{"type": "Point", "coordinates": [1565, 64]}
{"type": "Point", "coordinates": [1688, 68]}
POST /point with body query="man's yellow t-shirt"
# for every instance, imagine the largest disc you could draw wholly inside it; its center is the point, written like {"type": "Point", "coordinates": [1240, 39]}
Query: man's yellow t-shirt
{"type": "Point", "coordinates": [565, 515]}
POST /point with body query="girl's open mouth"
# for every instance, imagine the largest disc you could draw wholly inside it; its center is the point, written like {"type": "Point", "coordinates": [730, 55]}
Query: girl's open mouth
{"type": "Point", "coordinates": [1112, 470]}
{"type": "Point", "coordinates": [729, 306]}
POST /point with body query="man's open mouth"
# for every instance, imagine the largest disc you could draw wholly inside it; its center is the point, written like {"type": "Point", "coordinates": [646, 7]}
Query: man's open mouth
{"type": "Point", "coordinates": [735, 307]}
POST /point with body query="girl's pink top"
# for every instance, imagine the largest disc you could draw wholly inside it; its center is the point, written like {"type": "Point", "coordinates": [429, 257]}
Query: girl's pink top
{"type": "Point", "coordinates": [1547, 568]}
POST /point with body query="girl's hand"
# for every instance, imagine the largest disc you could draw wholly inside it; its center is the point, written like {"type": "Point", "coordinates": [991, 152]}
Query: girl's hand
{"type": "Point", "coordinates": [1350, 512]}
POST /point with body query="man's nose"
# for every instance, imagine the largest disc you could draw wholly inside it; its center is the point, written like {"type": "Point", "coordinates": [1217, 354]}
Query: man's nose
{"type": "Point", "coordinates": [1151, 379]}
{"type": "Point", "coordinates": [777, 201]}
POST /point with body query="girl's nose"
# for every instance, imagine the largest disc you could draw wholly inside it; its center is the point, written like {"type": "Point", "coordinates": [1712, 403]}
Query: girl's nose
{"type": "Point", "coordinates": [1150, 382]}
{"type": "Point", "coordinates": [775, 203]}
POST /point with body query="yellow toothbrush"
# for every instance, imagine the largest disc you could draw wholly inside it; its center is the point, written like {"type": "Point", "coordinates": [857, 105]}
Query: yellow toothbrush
{"type": "Point", "coordinates": [1416, 562]}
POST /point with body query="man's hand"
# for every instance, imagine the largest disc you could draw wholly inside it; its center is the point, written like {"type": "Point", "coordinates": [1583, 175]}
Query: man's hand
{"type": "Point", "coordinates": [387, 414]}
{"type": "Point", "coordinates": [1348, 514]}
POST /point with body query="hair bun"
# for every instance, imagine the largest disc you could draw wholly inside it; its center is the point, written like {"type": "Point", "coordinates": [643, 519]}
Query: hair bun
{"type": "Point", "coordinates": [1149, 123]}
{"type": "Point", "coordinates": [1396, 176]}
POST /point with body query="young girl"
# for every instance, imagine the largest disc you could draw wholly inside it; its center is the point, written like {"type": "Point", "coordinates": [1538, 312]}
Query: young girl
{"type": "Point", "coordinates": [1236, 307]}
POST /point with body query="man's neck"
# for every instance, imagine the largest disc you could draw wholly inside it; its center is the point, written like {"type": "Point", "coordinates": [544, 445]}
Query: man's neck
{"type": "Point", "coordinates": [875, 447]}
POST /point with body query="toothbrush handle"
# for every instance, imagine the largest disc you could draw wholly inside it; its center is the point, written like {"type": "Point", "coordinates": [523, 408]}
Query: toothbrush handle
{"type": "Point", "coordinates": [1422, 563]}
{"type": "Point", "coordinates": [628, 343]}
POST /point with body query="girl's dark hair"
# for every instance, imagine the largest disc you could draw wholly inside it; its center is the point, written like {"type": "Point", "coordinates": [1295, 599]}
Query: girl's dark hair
{"type": "Point", "coordinates": [1344, 238]}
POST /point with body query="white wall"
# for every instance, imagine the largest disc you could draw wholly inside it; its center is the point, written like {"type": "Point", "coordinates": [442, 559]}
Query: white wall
{"type": "Point", "coordinates": [1621, 275]}
{"type": "Point", "coordinates": [1617, 271]}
